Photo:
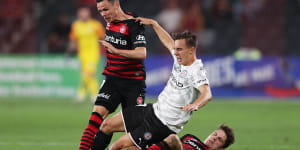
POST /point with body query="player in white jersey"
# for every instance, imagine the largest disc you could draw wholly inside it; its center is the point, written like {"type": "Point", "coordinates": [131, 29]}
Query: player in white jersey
{"type": "Point", "coordinates": [187, 90]}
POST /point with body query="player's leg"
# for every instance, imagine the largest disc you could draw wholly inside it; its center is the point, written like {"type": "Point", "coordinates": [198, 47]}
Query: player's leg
{"type": "Point", "coordinates": [133, 92]}
{"type": "Point", "coordinates": [123, 142]}
{"type": "Point", "coordinates": [92, 82]}
{"type": "Point", "coordinates": [108, 127]}
{"type": "Point", "coordinates": [106, 102]}
{"type": "Point", "coordinates": [82, 90]}
{"type": "Point", "coordinates": [132, 117]}
{"type": "Point", "coordinates": [92, 128]}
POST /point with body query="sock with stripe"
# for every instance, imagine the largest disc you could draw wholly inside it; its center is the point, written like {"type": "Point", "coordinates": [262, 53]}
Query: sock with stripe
{"type": "Point", "coordinates": [88, 135]}
{"type": "Point", "coordinates": [101, 141]}
{"type": "Point", "coordinates": [159, 146]}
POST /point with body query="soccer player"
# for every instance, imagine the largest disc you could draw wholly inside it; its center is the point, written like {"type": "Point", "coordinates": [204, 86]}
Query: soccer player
{"type": "Point", "coordinates": [187, 90]}
{"type": "Point", "coordinates": [125, 72]}
{"type": "Point", "coordinates": [219, 139]}
{"type": "Point", "coordinates": [84, 36]}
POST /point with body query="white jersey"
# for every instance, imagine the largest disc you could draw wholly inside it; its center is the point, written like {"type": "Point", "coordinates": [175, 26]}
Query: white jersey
{"type": "Point", "coordinates": [181, 89]}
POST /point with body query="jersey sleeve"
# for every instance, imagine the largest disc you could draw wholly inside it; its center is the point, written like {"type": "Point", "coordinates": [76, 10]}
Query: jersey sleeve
{"type": "Point", "coordinates": [199, 76]}
{"type": "Point", "coordinates": [192, 142]}
{"type": "Point", "coordinates": [137, 35]}
{"type": "Point", "coordinates": [72, 34]}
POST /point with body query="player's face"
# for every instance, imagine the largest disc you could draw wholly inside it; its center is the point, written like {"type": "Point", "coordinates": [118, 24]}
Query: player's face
{"type": "Point", "coordinates": [107, 10]}
{"type": "Point", "coordinates": [183, 53]}
{"type": "Point", "coordinates": [84, 14]}
{"type": "Point", "coordinates": [216, 140]}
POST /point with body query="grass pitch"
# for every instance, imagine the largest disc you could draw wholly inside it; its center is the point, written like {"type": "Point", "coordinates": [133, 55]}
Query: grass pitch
{"type": "Point", "coordinates": [57, 124]}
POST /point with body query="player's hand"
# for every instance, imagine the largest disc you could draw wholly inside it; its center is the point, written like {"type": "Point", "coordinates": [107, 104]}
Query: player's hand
{"type": "Point", "coordinates": [144, 21]}
{"type": "Point", "coordinates": [109, 47]}
{"type": "Point", "coordinates": [190, 107]}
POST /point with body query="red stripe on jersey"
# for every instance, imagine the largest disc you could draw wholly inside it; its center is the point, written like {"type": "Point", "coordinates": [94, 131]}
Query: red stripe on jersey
{"type": "Point", "coordinates": [115, 56]}
{"type": "Point", "coordinates": [119, 28]}
{"type": "Point", "coordinates": [123, 62]}
{"type": "Point", "coordinates": [154, 147]}
{"type": "Point", "coordinates": [114, 74]}
{"type": "Point", "coordinates": [130, 72]}
{"type": "Point", "coordinates": [199, 142]}
{"type": "Point", "coordinates": [122, 67]}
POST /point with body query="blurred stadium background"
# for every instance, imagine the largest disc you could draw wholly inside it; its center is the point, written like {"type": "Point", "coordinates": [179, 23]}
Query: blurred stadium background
{"type": "Point", "coordinates": [250, 48]}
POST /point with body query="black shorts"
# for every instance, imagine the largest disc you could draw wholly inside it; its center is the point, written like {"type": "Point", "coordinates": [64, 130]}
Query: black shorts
{"type": "Point", "coordinates": [143, 126]}
{"type": "Point", "coordinates": [128, 92]}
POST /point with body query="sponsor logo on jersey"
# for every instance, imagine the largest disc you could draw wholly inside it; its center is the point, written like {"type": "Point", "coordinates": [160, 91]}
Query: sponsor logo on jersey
{"type": "Point", "coordinates": [139, 100]}
{"type": "Point", "coordinates": [140, 37]}
{"type": "Point", "coordinates": [107, 26]}
{"type": "Point", "coordinates": [115, 40]}
{"type": "Point", "coordinates": [193, 144]}
{"type": "Point", "coordinates": [103, 95]}
{"type": "Point", "coordinates": [147, 136]}
{"type": "Point", "coordinates": [178, 84]}
{"type": "Point", "coordinates": [123, 29]}
{"type": "Point", "coordinates": [200, 81]}
{"type": "Point", "coordinates": [183, 73]}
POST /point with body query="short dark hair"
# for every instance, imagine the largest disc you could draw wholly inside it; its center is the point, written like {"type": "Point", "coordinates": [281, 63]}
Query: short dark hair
{"type": "Point", "coordinates": [190, 38]}
{"type": "Point", "coordinates": [229, 135]}
{"type": "Point", "coordinates": [111, 1]}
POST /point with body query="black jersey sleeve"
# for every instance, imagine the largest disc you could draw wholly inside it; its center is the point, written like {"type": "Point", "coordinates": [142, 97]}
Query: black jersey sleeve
{"type": "Point", "coordinates": [192, 142]}
{"type": "Point", "coordinates": [137, 34]}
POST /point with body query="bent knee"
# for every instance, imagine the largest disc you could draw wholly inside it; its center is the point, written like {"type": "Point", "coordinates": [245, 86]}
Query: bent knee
{"type": "Point", "coordinates": [107, 126]}
{"type": "Point", "coordinates": [116, 146]}
{"type": "Point", "coordinates": [173, 138]}
{"type": "Point", "coordinates": [173, 141]}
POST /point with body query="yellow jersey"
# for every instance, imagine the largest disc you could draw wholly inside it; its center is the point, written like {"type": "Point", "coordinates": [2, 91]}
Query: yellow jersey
{"type": "Point", "coordinates": [87, 35]}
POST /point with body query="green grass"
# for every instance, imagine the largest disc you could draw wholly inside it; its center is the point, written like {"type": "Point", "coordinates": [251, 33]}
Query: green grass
{"type": "Point", "coordinates": [58, 124]}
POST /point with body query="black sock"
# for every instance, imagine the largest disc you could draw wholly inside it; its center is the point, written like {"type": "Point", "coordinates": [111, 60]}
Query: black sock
{"type": "Point", "coordinates": [101, 141]}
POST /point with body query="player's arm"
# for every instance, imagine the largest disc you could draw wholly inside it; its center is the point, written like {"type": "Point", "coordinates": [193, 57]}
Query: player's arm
{"type": "Point", "coordinates": [137, 53]}
{"type": "Point", "coordinates": [163, 35]}
{"type": "Point", "coordinates": [202, 100]}
{"type": "Point", "coordinates": [72, 46]}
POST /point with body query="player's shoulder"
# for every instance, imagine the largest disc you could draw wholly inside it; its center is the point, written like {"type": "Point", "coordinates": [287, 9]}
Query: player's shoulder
{"type": "Point", "coordinates": [133, 25]}
{"type": "Point", "coordinates": [197, 65]}
{"type": "Point", "coordinates": [95, 22]}
{"type": "Point", "coordinates": [189, 136]}
{"type": "Point", "coordinates": [76, 23]}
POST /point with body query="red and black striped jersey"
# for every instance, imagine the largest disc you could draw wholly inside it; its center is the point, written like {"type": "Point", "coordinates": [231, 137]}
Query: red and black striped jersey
{"type": "Point", "coordinates": [191, 142]}
{"type": "Point", "coordinates": [125, 35]}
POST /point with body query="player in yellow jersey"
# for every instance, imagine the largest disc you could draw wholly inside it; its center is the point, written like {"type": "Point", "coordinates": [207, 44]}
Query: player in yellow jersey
{"type": "Point", "coordinates": [84, 36]}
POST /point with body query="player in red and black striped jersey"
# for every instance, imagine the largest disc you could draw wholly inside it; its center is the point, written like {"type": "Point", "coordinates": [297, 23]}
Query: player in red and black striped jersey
{"type": "Point", "coordinates": [122, 38]}
{"type": "Point", "coordinates": [217, 140]}
{"type": "Point", "coordinates": [125, 46]}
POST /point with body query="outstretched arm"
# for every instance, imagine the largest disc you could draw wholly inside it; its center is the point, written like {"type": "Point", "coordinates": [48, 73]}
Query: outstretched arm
{"type": "Point", "coordinates": [163, 35]}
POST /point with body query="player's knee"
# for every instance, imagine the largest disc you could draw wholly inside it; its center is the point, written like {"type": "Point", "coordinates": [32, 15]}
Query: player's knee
{"type": "Point", "coordinates": [171, 138]}
{"type": "Point", "coordinates": [107, 126]}
{"type": "Point", "coordinates": [116, 146]}
{"type": "Point", "coordinates": [173, 141]}
{"type": "Point", "coordinates": [101, 110]}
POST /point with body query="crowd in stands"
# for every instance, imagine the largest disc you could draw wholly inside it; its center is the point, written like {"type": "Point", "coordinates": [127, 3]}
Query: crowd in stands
{"type": "Point", "coordinates": [223, 26]}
